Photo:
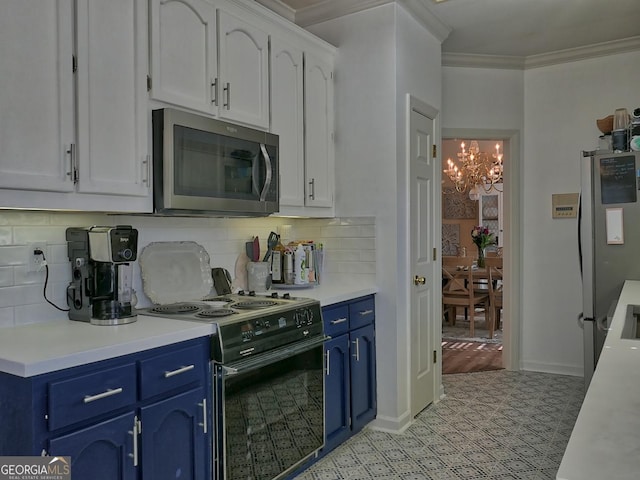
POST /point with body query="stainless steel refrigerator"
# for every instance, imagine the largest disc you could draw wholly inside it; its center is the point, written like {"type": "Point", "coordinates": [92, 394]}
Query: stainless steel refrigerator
{"type": "Point", "coordinates": [609, 224]}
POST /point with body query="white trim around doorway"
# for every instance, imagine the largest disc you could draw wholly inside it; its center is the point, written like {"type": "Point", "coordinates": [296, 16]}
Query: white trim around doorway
{"type": "Point", "coordinates": [513, 213]}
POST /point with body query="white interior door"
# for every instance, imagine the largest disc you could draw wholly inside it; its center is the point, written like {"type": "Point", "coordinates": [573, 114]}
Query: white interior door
{"type": "Point", "coordinates": [424, 221]}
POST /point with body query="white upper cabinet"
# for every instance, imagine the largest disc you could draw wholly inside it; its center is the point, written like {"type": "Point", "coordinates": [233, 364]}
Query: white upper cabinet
{"type": "Point", "coordinates": [243, 71]}
{"type": "Point", "coordinates": [219, 68]}
{"type": "Point", "coordinates": [112, 97]}
{"type": "Point", "coordinates": [318, 113]}
{"type": "Point", "coordinates": [36, 95]}
{"type": "Point", "coordinates": [287, 119]}
{"type": "Point", "coordinates": [73, 103]}
{"type": "Point", "coordinates": [184, 53]}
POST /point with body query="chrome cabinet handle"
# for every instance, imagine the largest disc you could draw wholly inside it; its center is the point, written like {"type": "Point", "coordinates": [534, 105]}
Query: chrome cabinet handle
{"type": "Point", "coordinates": [365, 312]}
{"type": "Point", "coordinates": [357, 344]}
{"type": "Point", "coordinates": [338, 320]}
{"type": "Point", "coordinates": [146, 170]}
{"type": "Point", "coordinates": [204, 415]}
{"type": "Point", "coordinates": [136, 430]}
{"type": "Point", "coordinates": [312, 184]}
{"type": "Point", "coordinates": [269, 173]}
{"type": "Point", "coordinates": [178, 371]}
{"type": "Point", "coordinates": [110, 392]}
{"type": "Point", "coordinates": [214, 92]}
{"type": "Point", "coordinates": [328, 356]}
{"type": "Point", "coordinates": [227, 89]}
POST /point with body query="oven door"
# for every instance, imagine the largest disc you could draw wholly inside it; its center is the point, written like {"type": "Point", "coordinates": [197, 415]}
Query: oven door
{"type": "Point", "coordinates": [270, 411]}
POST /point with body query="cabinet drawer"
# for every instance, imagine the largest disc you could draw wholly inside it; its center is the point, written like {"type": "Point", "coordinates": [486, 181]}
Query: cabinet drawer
{"type": "Point", "coordinates": [336, 320]}
{"type": "Point", "coordinates": [172, 370]}
{"type": "Point", "coordinates": [80, 398]}
{"type": "Point", "coordinates": [362, 313]}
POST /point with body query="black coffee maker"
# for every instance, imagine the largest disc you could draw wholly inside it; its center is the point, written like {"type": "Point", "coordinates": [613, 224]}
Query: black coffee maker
{"type": "Point", "coordinates": [101, 258]}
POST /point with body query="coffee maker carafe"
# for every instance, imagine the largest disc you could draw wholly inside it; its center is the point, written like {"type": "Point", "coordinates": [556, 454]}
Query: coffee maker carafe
{"type": "Point", "coordinates": [101, 258]}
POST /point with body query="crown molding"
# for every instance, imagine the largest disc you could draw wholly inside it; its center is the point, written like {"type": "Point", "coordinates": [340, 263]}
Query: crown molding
{"type": "Point", "coordinates": [482, 61]}
{"type": "Point", "coordinates": [542, 60]}
{"type": "Point", "coordinates": [582, 53]}
{"type": "Point", "coordinates": [330, 9]}
{"type": "Point", "coordinates": [432, 23]}
{"type": "Point", "coordinates": [280, 8]}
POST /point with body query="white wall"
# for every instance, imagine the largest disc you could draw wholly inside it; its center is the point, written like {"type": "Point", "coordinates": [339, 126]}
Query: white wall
{"type": "Point", "coordinates": [350, 248]}
{"type": "Point", "coordinates": [556, 108]}
{"type": "Point", "coordinates": [383, 54]}
{"type": "Point", "coordinates": [562, 103]}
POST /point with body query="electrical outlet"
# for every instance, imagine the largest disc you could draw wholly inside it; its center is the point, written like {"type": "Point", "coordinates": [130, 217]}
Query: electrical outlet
{"type": "Point", "coordinates": [35, 262]}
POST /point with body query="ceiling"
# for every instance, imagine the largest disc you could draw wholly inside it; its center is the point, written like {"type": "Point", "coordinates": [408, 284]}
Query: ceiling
{"type": "Point", "coordinates": [520, 28]}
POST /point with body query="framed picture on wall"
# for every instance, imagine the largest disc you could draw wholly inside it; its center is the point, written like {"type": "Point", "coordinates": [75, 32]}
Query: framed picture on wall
{"type": "Point", "coordinates": [457, 205]}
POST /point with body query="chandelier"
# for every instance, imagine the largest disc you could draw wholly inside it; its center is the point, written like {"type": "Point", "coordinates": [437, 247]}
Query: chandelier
{"type": "Point", "coordinates": [475, 169]}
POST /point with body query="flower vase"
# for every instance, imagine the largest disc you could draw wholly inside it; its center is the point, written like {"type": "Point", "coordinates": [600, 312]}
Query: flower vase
{"type": "Point", "coordinates": [481, 255]}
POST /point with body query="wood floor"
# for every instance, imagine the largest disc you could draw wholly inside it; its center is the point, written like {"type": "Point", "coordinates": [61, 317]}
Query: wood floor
{"type": "Point", "coordinates": [466, 357]}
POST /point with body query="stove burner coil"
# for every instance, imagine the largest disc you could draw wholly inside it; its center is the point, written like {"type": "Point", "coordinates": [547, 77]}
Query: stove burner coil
{"type": "Point", "coordinates": [254, 305]}
{"type": "Point", "coordinates": [215, 312]}
{"type": "Point", "coordinates": [177, 308]}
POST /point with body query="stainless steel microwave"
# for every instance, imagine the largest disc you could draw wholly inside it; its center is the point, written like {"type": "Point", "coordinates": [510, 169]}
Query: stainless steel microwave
{"type": "Point", "coordinates": [205, 166]}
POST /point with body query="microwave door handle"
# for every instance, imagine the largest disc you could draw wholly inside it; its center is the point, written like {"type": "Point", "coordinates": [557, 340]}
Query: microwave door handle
{"type": "Point", "coordinates": [255, 172]}
{"type": "Point", "coordinates": [267, 180]}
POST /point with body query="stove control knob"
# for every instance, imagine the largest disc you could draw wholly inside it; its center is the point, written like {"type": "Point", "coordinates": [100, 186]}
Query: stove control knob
{"type": "Point", "coordinates": [274, 295]}
{"type": "Point", "coordinates": [286, 296]}
{"type": "Point", "coordinates": [241, 292]}
{"type": "Point", "coordinates": [252, 293]}
{"type": "Point", "coordinates": [267, 324]}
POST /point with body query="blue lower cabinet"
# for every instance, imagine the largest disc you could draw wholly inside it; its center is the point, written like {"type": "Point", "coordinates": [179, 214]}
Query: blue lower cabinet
{"type": "Point", "coordinates": [142, 416]}
{"type": "Point", "coordinates": [337, 393]}
{"type": "Point", "coordinates": [363, 377]}
{"type": "Point", "coordinates": [174, 438]}
{"type": "Point", "coordinates": [350, 375]}
{"type": "Point", "coordinates": [104, 451]}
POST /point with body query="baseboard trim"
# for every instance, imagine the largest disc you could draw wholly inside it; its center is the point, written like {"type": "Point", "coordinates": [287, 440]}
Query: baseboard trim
{"type": "Point", "coordinates": [391, 424]}
{"type": "Point", "coordinates": [555, 368]}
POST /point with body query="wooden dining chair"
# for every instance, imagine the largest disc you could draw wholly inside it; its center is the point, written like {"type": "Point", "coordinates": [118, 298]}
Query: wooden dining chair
{"type": "Point", "coordinates": [494, 271]}
{"type": "Point", "coordinates": [458, 291]}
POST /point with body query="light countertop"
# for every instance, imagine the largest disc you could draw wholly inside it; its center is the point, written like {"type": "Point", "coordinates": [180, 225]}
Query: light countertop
{"type": "Point", "coordinates": [54, 345]}
{"type": "Point", "coordinates": [605, 442]}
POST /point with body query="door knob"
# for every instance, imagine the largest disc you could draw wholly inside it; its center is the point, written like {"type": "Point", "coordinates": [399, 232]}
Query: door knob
{"type": "Point", "coordinates": [419, 280]}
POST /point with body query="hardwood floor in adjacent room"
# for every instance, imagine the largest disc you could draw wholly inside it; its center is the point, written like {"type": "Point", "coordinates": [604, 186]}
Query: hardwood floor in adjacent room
{"type": "Point", "coordinates": [459, 356]}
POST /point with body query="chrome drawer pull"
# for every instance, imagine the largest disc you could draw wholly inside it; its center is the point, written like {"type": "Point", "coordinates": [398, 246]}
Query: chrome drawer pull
{"type": "Point", "coordinates": [365, 312]}
{"type": "Point", "coordinates": [108, 393]}
{"type": "Point", "coordinates": [356, 342]}
{"type": "Point", "coordinates": [179, 371]}
{"type": "Point", "coordinates": [337, 321]}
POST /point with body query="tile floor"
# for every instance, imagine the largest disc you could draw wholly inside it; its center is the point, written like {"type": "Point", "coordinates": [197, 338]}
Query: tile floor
{"type": "Point", "coordinates": [491, 425]}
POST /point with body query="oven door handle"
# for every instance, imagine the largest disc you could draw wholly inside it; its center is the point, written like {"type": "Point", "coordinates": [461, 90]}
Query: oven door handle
{"type": "Point", "coordinates": [258, 361]}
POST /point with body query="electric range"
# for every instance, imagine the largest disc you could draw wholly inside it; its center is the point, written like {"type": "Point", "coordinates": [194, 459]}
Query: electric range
{"type": "Point", "coordinates": [249, 324]}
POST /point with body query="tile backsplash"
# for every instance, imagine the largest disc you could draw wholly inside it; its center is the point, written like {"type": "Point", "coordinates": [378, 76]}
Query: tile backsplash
{"type": "Point", "coordinates": [349, 243]}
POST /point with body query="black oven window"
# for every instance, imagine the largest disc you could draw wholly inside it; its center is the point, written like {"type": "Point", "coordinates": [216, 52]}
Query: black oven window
{"type": "Point", "coordinates": [212, 165]}
{"type": "Point", "coordinates": [274, 417]}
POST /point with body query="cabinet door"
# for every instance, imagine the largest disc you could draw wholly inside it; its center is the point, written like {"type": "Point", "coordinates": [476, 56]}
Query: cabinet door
{"type": "Point", "coordinates": [183, 53]}
{"type": "Point", "coordinates": [337, 392]}
{"type": "Point", "coordinates": [287, 119]}
{"type": "Point", "coordinates": [36, 95]}
{"type": "Point", "coordinates": [363, 377]}
{"type": "Point", "coordinates": [112, 107]}
{"type": "Point", "coordinates": [175, 441]}
{"type": "Point", "coordinates": [101, 452]}
{"type": "Point", "coordinates": [319, 151]}
{"type": "Point", "coordinates": [243, 67]}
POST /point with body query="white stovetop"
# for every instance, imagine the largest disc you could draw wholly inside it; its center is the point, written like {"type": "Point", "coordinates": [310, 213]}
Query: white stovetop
{"type": "Point", "coordinates": [605, 442]}
{"type": "Point", "coordinates": [45, 347]}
